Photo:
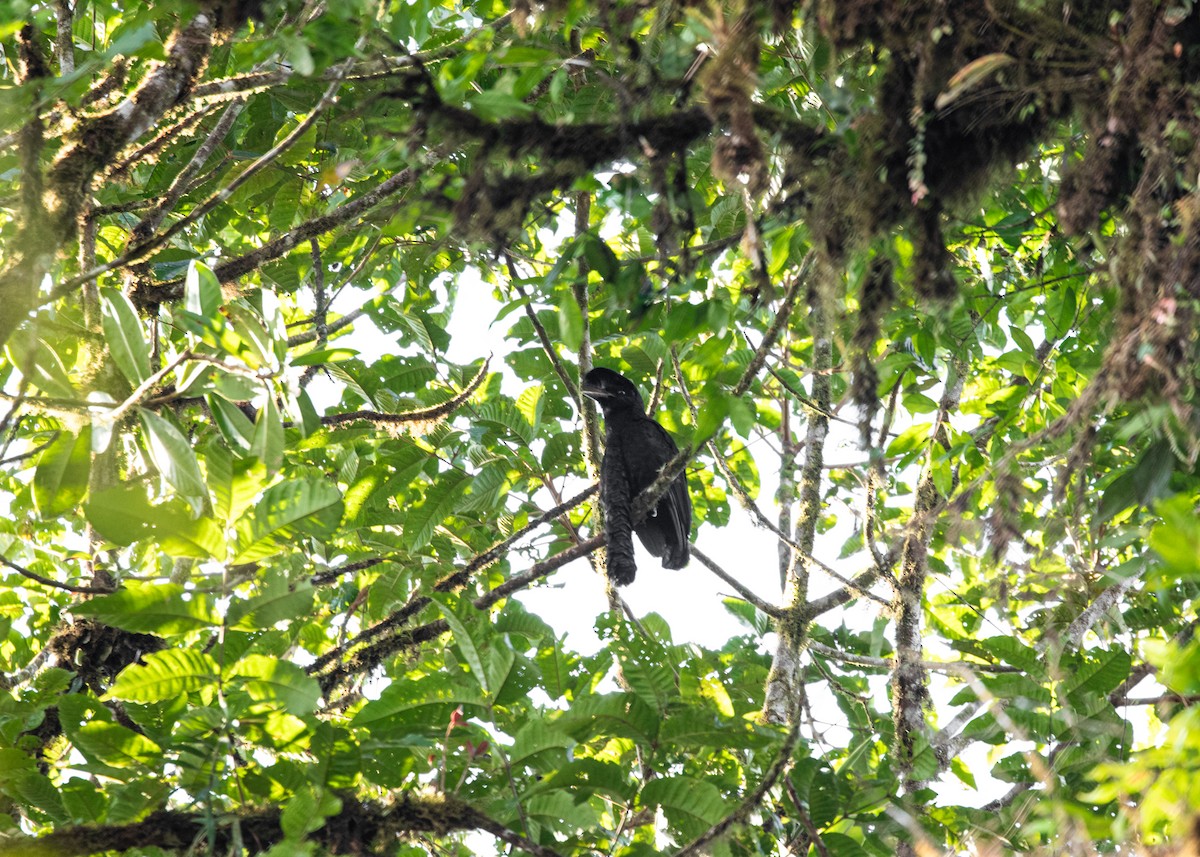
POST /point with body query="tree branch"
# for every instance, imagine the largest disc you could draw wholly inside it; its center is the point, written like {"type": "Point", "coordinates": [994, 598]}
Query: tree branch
{"type": "Point", "coordinates": [45, 581]}
{"type": "Point", "coordinates": [543, 337]}
{"type": "Point", "coordinates": [749, 596]}
{"type": "Point", "coordinates": [782, 759]}
{"type": "Point", "coordinates": [799, 281]}
{"type": "Point", "coordinates": [370, 656]}
{"type": "Point", "coordinates": [361, 827]}
{"type": "Point", "coordinates": [784, 679]}
{"type": "Point", "coordinates": [427, 416]}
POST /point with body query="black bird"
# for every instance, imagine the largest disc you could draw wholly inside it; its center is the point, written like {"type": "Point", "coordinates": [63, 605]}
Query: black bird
{"type": "Point", "coordinates": [635, 450]}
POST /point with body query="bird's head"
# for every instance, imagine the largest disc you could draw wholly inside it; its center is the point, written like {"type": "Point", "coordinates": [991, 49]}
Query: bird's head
{"type": "Point", "coordinates": [612, 390]}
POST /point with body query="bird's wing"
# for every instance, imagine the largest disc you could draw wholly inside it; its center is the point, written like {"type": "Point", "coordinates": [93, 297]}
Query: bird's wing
{"type": "Point", "coordinates": [670, 533]}
{"type": "Point", "coordinates": [677, 507]}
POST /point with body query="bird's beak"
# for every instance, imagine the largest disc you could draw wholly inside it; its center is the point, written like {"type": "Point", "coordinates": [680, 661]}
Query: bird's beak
{"type": "Point", "coordinates": [596, 393]}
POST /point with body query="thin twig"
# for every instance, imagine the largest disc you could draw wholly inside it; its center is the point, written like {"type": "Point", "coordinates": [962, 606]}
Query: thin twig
{"type": "Point", "coordinates": [811, 829]}
{"type": "Point", "coordinates": [782, 759]}
{"type": "Point", "coordinates": [416, 602]}
{"type": "Point", "coordinates": [420, 415]}
{"type": "Point", "coordinates": [352, 316]}
{"type": "Point", "coordinates": [146, 386]}
{"type": "Point", "coordinates": [143, 248]}
{"type": "Point", "coordinates": [777, 325]}
{"type": "Point", "coordinates": [747, 595]}
{"type": "Point", "coordinates": [46, 581]}
{"type": "Point", "coordinates": [151, 221]}
{"type": "Point", "coordinates": [954, 668]}
{"type": "Point", "coordinates": [543, 336]}
{"type": "Point", "coordinates": [537, 571]}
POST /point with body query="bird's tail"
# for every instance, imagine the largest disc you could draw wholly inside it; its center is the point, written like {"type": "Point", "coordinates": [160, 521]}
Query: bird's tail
{"type": "Point", "coordinates": [621, 567]}
{"type": "Point", "coordinates": [677, 556]}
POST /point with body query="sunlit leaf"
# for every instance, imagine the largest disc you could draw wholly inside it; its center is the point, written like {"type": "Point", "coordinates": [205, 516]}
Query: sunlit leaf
{"type": "Point", "coordinates": [287, 510]}
{"type": "Point", "coordinates": [164, 609]}
{"type": "Point", "coordinates": [115, 745]}
{"type": "Point", "coordinates": [439, 500]}
{"type": "Point", "coordinates": [173, 456]}
{"type": "Point", "coordinates": [61, 478]}
{"type": "Point", "coordinates": [164, 675]}
{"type": "Point", "coordinates": [272, 680]}
{"type": "Point", "coordinates": [123, 332]}
{"type": "Point", "coordinates": [123, 514]}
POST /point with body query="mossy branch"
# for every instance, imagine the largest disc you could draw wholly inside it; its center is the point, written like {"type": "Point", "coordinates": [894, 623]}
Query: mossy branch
{"type": "Point", "coordinates": [360, 827]}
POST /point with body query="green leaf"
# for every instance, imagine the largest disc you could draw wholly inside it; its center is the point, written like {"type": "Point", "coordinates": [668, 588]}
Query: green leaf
{"type": "Point", "coordinates": [123, 515]}
{"type": "Point", "coordinates": [587, 776]}
{"type": "Point", "coordinates": [531, 404]}
{"type": "Point", "coordinates": [310, 420]}
{"type": "Point", "coordinates": [15, 764]}
{"type": "Point", "coordinates": [560, 811]}
{"type": "Point", "coordinates": [960, 770]}
{"type": "Point", "coordinates": [419, 333]}
{"type": "Point", "coordinates": [202, 292]}
{"type": "Point", "coordinates": [600, 257]}
{"type": "Point", "coordinates": [1100, 674]}
{"type": "Point", "coordinates": [654, 683]}
{"type": "Point", "coordinates": [173, 456]}
{"type": "Point", "coordinates": [557, 668]}
{"type": "Point", "coordinates": [272, 680]}
{"type": "Point", "coordinates": [284, 204]}
{"type": "Point", "coordinates": [911, 439]}
{"type": "Point", "coordinates": [1178, 666]}
{"type": "Point", "coordinates": [278, 603]}
{"type": "Point", "coordinates": [622, 715]}
{"type": "Point", "coordinates": [164, 675]}
{"type": "Point", "coordinates": [233, 423]}
{"type": "Point", "coordinates": [124, 336]}
{"type": "Point", "coordinates": [115, 745]}
{"type": "Point", "coordinates": [712, 416]}
{"type": "Point", "coordinates": [321, 356]}
{"type": "Point", "coordinates": [506, 416]}
{"type": "Point", "coordinates": [748, 615]}
{"type": "Point", "coordinates": [1177, 537]}
{"type": "Point", "coordinates": [287, 511]}
{"type": "Point", "coordinates": [254, 345]}
{"type": "Point", "coordinates": [299, 57]}
{"type": "Point", "coordinates": [341, 374]}
{"type": "Point", "coordinates": [1008, 650]}
{"type": "Point", "coordinates": [493, 106]}
{"type": "Point", "coordinates": [570, 322]}
{"type": "Point", "coordinates": [841, 845]}
{"type": "Point", "coordinates": [1141, 485]}
{"type": "Point", "coordinates": [134, 36]}
{"type": "Point", "coordinates": [712, 689]}
{"type": "Point", "coordinates": [234, 482]}
{"type": "Point", "coordinates": [743, 416]}
{"type": "Point", "coordinates": [535, 739]}
{"type": "Point", "coordinates": [165, 609]}
{"type": "Point", "coordinates": [402, 697]}
{"type": "Point", "coordinates": [687, 801]}
{"type": "Point", "coordinates": [36, 790]}
{"type": "Point", "coordinates": [439, 502]}
{"type": "Point", "coordinates": [267, 443]}
{"type": "Point", "coordinates": [86, 802]}
{"type": "Point", "coordinates": [463, 639]}
{"type": "Point", "coordinates": [40, 363]}
{"type": "Point", "coordinates": [307, 810]}
{"type": "Point", "coordinates": [61, 478]}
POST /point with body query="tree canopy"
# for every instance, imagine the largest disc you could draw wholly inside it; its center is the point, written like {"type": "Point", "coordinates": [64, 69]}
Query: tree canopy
{"type": "Point", "coordinates": [262, 588]}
